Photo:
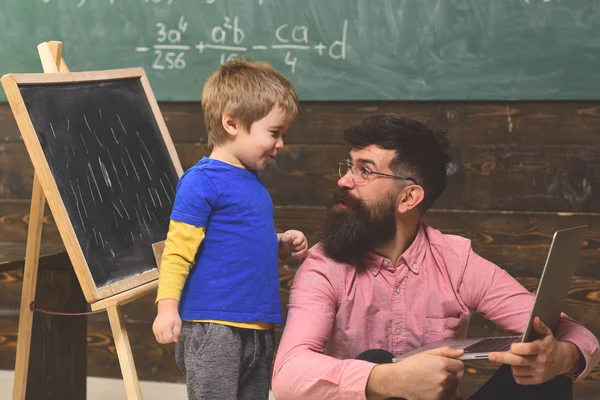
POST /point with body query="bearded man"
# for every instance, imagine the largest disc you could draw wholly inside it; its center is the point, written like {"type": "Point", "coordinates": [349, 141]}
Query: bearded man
{"type": "Point", "coordinates": [381, 283]}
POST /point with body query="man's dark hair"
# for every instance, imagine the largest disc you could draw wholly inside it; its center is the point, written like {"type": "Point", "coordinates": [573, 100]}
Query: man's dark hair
{"type": "Point", "coordinates": [421, 152]}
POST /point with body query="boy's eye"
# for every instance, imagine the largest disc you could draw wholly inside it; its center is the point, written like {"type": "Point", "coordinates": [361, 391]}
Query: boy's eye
{"type": "Point", "coordinates": [275, 134]}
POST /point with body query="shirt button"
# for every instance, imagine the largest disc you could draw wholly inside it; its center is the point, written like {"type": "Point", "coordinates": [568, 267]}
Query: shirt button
{"type": "Point", "coordinates": [397, 290]}
{"type": "Point", "coordinates": [414, 267]}
{"type": "Point", "coordinates": [374, 269]}
{"type": "Point", "coordinates": [398, 331]}
{"type": "Point", "coordinates": [386, 262]}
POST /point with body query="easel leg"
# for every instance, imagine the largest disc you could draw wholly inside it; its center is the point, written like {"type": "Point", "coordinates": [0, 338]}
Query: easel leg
{"type": "Point", "coordinates": [117, 325]}
{"type": "Point", "coordinates": [30, 273]}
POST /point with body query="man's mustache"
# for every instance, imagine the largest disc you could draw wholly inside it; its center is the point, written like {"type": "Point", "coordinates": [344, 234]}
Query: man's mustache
{"type": "Point", "coordinates": [342, 195]}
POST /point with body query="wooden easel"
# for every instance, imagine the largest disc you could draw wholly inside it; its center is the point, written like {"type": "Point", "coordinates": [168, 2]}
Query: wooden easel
{"type": "Point", "coordinates": [52, 62]}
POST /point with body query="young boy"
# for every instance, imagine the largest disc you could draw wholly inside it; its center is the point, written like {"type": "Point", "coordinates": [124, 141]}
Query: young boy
{"type": "Point", "coordinates": [218, 271]}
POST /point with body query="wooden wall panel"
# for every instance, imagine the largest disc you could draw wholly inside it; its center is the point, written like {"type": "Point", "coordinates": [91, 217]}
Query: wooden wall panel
{"type": "Point", "coordinates": [156, 362]}
{"type": "Point", "coordinates": [550, 178]}
{"type": "Point", "coordinates": [517, 241]}
{"type": "Point", "coordinates": [520, 171]}
{"type": "Point", "coordinates": [14, 216]}
{"type": "Point", "coordinates": [472, 123]}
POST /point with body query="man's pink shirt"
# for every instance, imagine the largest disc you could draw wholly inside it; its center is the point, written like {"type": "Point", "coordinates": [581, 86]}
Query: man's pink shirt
{"type": "Point", "coordinates": [337, 311]}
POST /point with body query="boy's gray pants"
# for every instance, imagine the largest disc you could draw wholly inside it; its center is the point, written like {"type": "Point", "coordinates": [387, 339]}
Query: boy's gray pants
{"type": "Point", "coordinates": [222, 362]}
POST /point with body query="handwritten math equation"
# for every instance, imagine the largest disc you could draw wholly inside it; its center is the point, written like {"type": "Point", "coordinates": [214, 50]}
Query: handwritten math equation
{"type": "Point", "coordinates": [228, 40]}
{"type": "Point", "coordinates": [81, 3]}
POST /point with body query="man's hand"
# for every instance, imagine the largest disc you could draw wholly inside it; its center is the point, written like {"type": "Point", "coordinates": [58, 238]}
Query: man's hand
{"type": "Point", "coordinates": [541, 360]}
{"type": "Point", "coordinates": [167, 324]}
{"type": "Point", "coordinates": [430, 375]}
{"type": "Point", "coordinates": [294, 242]}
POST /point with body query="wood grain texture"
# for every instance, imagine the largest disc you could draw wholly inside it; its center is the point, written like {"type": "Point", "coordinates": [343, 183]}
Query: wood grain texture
{"type": "Point", "coordinates": [550, 178]}
{"type": "Point", "coordinates": [157, 362]}
{"type": "Point", "coordinates": [28, 292]}
{"type": "Point", "coordinates": [58, 343]}
{"type": "Point", "coordinates": [475, 123]}
{"type": "Point", "coordinates": [14, 217]}
{"type": "Point", "coordinates": [521, 170]}
{"type": "Point", "coordinates": [516, 241]}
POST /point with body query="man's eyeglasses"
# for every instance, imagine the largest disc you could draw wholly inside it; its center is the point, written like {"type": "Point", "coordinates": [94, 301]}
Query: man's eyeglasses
{"type": "Point", "coordinates": [361, 173]}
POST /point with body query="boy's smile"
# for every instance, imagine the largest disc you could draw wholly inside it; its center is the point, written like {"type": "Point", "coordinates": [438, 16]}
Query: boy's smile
{"type": "Point", "coordinates": [256, 148]}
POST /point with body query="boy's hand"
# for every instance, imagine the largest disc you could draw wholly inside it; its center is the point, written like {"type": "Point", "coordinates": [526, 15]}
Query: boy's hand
{"type": "Point", "coordinates": [167, 324]}
{"type": "Point", "coordinates": [294, 242]}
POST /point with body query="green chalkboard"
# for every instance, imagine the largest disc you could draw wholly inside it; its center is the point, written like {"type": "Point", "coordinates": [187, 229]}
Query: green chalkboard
{"type": "Point", "coordinates": [330, 49]}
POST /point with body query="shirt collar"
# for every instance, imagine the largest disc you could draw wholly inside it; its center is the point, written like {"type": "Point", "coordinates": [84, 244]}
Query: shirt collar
{"type": "Point", "coordinates": [413, 256]}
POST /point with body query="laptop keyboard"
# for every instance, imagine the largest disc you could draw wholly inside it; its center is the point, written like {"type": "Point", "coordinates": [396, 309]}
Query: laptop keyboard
{"type": "Point", "coordinates": [493, 344]}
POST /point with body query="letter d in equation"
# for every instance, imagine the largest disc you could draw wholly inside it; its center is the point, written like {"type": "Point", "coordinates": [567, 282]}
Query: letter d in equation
{"type": "Point", "coordinates": [337, 50]}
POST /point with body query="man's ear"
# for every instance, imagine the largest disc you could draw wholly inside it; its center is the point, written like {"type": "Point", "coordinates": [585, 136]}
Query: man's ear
{"type": "Point", "coordinates": [230, 124]}
{"type": "Point", "coordinates": [410, 198]}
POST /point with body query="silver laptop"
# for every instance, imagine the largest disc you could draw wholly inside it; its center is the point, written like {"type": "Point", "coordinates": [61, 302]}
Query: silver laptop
{"type": "Point", "coordinates": [549, 300]}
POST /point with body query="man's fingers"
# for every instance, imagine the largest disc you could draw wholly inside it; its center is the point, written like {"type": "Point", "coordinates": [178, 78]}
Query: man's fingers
{"type": "Point", "coordinates": [298, 241]}
{"type": "Point", "coordinates": [508, 358]}
{"type": "Point", "coordinates": [541, 327]}
{"type": "Point", "coordinates": [446, 352]}
{"type": "Point", "coordinates": [455, 365]}
{"type": "Point", "coordinates": [525, 349]}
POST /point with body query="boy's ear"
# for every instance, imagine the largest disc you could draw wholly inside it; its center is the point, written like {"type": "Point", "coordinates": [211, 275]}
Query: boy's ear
{"type": "Point", "coordinates": [230, 124]}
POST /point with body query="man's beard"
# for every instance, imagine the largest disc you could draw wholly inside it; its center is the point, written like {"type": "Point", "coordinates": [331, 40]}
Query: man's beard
{"type": "Point", "coordinates": [350, 233]}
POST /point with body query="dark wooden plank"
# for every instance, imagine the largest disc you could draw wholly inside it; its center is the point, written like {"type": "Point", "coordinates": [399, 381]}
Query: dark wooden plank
{"type": "Point", "coordinates": [9, 131]}
{"type": "Point", "coordinates": [517, 241]}
{"type": "Point", "coordinates": [156, 362]}
{"type": "Point", "coordinates": [58, 343]}
{"type": "Point", "coordinates": [16, 171]}
{"type": "Point", "coordinates": [583, 302]}
{"type": "Point", "coordinates": [14, 216]}
{"type": "Point", "coordinates": [12, 255]}
{"type": "Point", "coordinates": [527, 123]}
{"type": "Point", "coordinates": [549, 178]}
{"type": "Point", "coordinates": [518, 122]}
{"type": "Point", "coordinates": [468, 123]}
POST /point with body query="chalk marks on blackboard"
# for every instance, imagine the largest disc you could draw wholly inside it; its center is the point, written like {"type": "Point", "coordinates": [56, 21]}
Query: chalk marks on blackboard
{"type": "Point", "coordinates": [101, 177]}
{"type": "Point", "coordinates": [132, 164]}
{"type": "Point", "coordinates": [52, 129]}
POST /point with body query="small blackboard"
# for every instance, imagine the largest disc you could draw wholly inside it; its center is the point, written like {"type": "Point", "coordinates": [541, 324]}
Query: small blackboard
{"type": "Point", "coordinates": [108, 168]}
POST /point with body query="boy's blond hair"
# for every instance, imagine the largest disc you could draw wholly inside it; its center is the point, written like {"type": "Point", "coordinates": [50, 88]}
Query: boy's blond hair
{"type": "Point", "coordinates": [249, 91]}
